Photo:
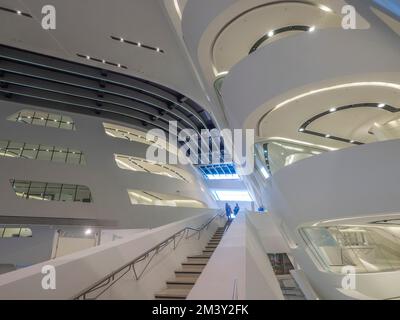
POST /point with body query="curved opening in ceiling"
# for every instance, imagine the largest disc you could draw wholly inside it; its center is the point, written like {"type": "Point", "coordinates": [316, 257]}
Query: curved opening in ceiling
{"type": "Point", "coordinates": [280, 31]}
{"type": "Point", "coordinates": [332, 117]}
{"type": "Point", "coordinates": [254, 25]}
{"type": "Point", "coordinates": [310, 126]}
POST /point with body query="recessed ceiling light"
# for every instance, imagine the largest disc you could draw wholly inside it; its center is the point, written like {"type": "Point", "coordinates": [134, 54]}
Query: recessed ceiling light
{"type": "Point", "coordinates": [352, 141]}
{"type": "Point", "coordinates": [158, 49]}
{"type": "Point", "coordinates": [271, 33]}
{"type": "Point", "coordinates": [88, 232]}
{"type": "Point", "coordinates": [88, 57]}
{"type": "Point", "coordinates": [19, 12]}
{"type": "Point", "coordinates": [122, 39]}
{"type": "Point", "coordinates": [381, 105]}
{"type": "Point", "coordinates": [312, 29]}
{"type": "Point", "coordinates": [332, 109]}
{"type": "Point", "coordinates": [327, 136]}
{"type": "Point", "coordinates": [139, 44]}
{"type": "Point", "coordinates": [301, 129]}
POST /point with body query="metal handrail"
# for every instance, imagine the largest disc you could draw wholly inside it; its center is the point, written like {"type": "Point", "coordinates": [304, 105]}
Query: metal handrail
{"type": "Point", "coordinates": [113, 277]}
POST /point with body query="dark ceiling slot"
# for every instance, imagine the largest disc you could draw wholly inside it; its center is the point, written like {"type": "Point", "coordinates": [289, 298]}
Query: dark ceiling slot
{"type": "Point", "coordinates": [137, 44]}
{"type": "Point", "coordinates": [17, 12]}
{"type": "Point", "coordinates": [118, 65]}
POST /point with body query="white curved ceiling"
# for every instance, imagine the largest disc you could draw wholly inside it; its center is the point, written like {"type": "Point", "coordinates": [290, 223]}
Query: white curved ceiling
{"type": "Point", "coordinates": [236, 40]}
{"type": "Point", "coordinates": [86, 26]}
{"type": "Point", "coordinates": [352, 124]}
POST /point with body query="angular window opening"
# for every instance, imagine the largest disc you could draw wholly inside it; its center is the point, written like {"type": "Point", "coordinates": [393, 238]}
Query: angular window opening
{"type": "Point", "coordinates": [143, 165]}
{"type": "Point", "coordinates": [151, 198]}
{"type": "Point", "coordinates": [32, 151]}
{"type": "Point", "coordinates": [44, 119]}
{"type": "Point", "coordinates": [15, 232]}
{"type": "Point", "coordinates": [51, 191]}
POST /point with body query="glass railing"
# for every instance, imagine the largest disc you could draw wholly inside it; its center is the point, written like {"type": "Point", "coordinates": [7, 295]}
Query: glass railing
{"type": "Point", "coordinates": [276, 154]}
{"type": "Point", "coordinates": [365, 248]}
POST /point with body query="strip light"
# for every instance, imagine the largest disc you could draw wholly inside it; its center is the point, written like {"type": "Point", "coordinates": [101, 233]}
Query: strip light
{"type": "Point", "coordinates": [341, 86]}
{"type": "Point", "coordinates": [138, 44]}
{"type": "Point", "coordinates": [118, 65]}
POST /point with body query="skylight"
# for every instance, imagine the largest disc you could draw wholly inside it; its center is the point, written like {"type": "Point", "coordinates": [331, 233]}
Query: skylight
{"type": "Point", "coordinates": [390, 5]}
{"type": "Point", "coordinates": [232, 195]}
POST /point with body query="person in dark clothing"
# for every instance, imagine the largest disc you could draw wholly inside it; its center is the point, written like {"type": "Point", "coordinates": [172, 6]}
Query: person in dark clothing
{"type": "Point", "coordinates": [228, 211]}
{"type": "Point", "coordinates": [236, 210]}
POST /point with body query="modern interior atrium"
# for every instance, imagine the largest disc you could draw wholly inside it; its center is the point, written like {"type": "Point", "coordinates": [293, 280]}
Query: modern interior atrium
{"type": "Point", "coordinates": [199, 150]}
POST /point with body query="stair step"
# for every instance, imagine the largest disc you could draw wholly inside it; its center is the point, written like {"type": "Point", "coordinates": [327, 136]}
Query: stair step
{"type": "Point", "coordinates": [197, 260]}
{"type": "Point", "coordinates": [208, 250]}
{"type": "Point", "coordinates": [180, 273]}
{"type": "Point", "coordinates": [194, 263]}
{"type": "Point", "coordinates": [200, 256]}
{"type": "Point", "coordinates": [181, 283]}
{"type": "Point", "coordinates": [176, 294]}
{"type": "Point", "coordinates": [211, 246]}
{"type": "Point", "coordinates": [195, 268]}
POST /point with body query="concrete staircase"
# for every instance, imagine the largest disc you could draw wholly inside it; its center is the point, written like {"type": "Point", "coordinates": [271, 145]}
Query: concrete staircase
{"type": "Point", "coordinates": [179, 287]}
{"type": "Point", "coordinates": [289, 287]}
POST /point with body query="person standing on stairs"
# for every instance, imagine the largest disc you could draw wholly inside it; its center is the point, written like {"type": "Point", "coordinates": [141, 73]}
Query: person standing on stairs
{"type": "Point", "coordinates": [228, 211]}
{"type": "Point", "coordinates": [236, 210]}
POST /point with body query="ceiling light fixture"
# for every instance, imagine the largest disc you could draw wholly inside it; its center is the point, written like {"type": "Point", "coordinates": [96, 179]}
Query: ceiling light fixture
{"type": "Point", "coordinates": [352, 141]}
{"type": "Point", "coordinates": [312, 29]}
{"type": "Point", "coordinates": [222, 73]}
{"type": "Point", "coordinates": [271, 33]}
{"type": "Point", "coordinates": [332, 109]}
{"type": "Point", "coordinates": [336, 87]}
{"type": "Point", "coordinates": [101, 61]}
{"type": "Point", "coordinates": [88, 232]}
{"type": "Point", "coordinates": [381, 105]}
{"type": "Point", "coordinates": [303, 143]}
{"type": "Point", "coordinates": [16, 11]}
{"type": "Point", "coordinates": [327, 136]}
{"type": "Point", "coordinates": [178, 9]}
{"type": "Point", "coordinates": [301, 129]}
{"type": "Point", "coordinates": [325, 8]}
{"type": "Point", "coordinates": [137, 44]}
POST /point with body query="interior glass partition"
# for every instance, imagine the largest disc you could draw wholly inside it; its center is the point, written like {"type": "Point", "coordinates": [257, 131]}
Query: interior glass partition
{"type": "Point", "coordinates": [365, 248]}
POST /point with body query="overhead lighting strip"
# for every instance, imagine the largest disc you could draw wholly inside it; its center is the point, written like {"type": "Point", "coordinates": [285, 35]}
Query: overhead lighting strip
{"type": "Point", "coordinates": [138, 44]}
{"type": "Point", "coordinates": [118, 65]}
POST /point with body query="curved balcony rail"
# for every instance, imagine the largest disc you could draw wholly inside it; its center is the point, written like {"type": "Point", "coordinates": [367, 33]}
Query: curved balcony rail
{"type": "Point", "coordinates": [101, 286]}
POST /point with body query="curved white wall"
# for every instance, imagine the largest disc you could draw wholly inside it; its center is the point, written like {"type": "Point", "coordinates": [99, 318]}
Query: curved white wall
{"type": "Point", "coordinates": [307, 62]}
{"type": "Point", "coordinates": [107, 182]}
{"type": "Point", "coordinates": [358, 182]}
